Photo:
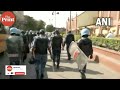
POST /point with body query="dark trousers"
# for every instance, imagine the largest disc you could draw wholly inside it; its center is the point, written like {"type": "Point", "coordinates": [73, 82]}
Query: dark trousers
{"type": "Point", "coordinates": [69, 56]}
{"type": "Point", "coordinates": [40, 65]}
{"type": "Point", "coordinates": [83, 71]}
{"type": "Point", "coordinates": [56, 56]}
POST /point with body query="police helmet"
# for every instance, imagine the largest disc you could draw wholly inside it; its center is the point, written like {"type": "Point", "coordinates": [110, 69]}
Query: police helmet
{"type": "Point", "coordinates": [14, 30]}
{"type": "Point", "coordinates": [19, 32]}
{"type": "Point", "coordinates": [57, 32]}
{"type": "Point", "coordinates": [42, 31]}
{"type": "Point", "coordinates": [85, 31]}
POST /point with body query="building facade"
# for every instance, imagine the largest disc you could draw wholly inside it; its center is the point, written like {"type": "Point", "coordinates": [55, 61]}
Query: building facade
{"type": "Point", "coordinates": [115, 16]}
{"type": "Point", "coordinates": [88, 18]}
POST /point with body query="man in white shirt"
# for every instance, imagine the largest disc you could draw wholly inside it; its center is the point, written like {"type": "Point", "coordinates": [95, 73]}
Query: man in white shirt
{"type": "Point", "coordinates": [110, 35]}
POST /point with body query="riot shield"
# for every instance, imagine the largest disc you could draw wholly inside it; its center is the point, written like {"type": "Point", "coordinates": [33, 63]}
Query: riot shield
{"type": "Point", "coordinates": [78, 55]}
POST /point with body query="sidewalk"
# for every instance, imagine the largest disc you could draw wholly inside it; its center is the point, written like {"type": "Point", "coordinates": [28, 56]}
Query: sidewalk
{"type": "Point", "coordinates": [68, 70]}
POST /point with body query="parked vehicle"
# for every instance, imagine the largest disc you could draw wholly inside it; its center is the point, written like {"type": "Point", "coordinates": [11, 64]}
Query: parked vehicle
{"type": "Point", "coordinates": [3, 37]}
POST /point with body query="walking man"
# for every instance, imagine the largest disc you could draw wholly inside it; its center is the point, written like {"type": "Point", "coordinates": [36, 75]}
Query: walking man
{"type": "Point", "coordinates": [85, 44]}
{"type": "Point", "coordinates": [56, 42]}
{"type": "Point", "coordinates": [39, 52]}
{"type": "Point", "coordinates": [15, 46]}
{"type": "Point", "coordinates": [68, 39]}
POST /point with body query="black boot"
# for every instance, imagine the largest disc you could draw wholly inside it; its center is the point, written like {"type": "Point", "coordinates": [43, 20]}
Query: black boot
{"type": "Point", "coordinates": [42, 76]}
{"type": "Point", "coordinates": [84, 69]}
{"type": "Point", "coordinates": [83, 76]}
{"type": "Point", "coordinates": [37, 74]}
{"type": "Point", "coordinates": [57, 66]}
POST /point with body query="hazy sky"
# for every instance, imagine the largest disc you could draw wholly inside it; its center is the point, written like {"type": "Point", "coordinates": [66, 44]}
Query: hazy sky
{"type": "Point", "coordinates": [47, 16]}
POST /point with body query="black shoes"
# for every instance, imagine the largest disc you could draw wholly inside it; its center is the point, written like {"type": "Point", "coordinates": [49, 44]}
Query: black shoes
{"type": "Point", "coordinates": [39, 77]}
{"type": "Point", "coordinates": [37, 74]}
{"type": "Point", "coordinates": [69, 58]}
{"type": "Point", "coordinates": [42, 76]}
{"type": "Point", "coordinates": [57, 66]}
{"type": "Point", "coordinates": [83, 76]}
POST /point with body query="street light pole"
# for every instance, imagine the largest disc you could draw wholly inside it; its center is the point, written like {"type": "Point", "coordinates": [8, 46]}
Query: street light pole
{"type": "Point", "coordinates": [54, 13]}
{"type": "Point", "coordinates": [70, 20]}
{"type": "Point", "coordinates": [55, 19]}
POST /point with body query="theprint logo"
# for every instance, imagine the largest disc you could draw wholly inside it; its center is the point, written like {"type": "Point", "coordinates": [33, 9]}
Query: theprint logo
{"type": "Point", "coordinates": [8, 18]}
{"type": "Point", "coordinates": [15, 70]}
{"type": "Point", "coordinates": [9, 68]}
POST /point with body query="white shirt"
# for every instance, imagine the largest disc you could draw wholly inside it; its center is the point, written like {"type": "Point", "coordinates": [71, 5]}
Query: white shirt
{"type": "Point", "coordinates": [110, 35]}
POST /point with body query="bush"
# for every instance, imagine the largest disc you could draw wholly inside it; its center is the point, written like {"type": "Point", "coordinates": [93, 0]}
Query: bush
{"type": "Point", "coordinates": [113, 44]}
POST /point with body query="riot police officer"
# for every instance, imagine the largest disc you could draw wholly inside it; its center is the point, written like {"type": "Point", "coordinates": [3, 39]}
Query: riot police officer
{"type": "Point", "coordinates": [14, 46]}
{"type": "Point", "coordinates": [85, 44]}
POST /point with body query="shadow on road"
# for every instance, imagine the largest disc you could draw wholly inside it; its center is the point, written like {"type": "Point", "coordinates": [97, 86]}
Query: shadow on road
{"type": "Point", "coordinates": [92, 62]}
{"type": "Point", "coordinates": [4, 60]}
{"type": "Point", "coordinates": [64, 68]}
{"type": "Point", "coordinates": [61, 69]}
{"type": "Point", "coordinates": [30, 72]}
{"type": "Point", "coordinates": [88, 71]}
{"type": "Point", "coordinates": [63, 60]}
{"type": "Point", "coordinates": [96, 59]}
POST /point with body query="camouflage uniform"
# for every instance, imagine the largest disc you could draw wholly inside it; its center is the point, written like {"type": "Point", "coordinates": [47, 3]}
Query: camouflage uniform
{"type": "Point", "coordinates": [14, 49]}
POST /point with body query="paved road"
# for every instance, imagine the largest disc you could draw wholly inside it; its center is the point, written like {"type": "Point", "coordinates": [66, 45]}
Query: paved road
{"type": "Point", "coordinates": [68, 70]}
{"type": "Point", "coordinates": [3, 61]}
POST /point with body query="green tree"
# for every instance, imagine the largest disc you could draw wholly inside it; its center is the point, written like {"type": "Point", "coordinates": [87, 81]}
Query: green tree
{"type": "Point", "coordinates": [17, 24]}
{"type": "Point", "coordinates": [30, 23]}
{"type": "Point", "coordinates": [50, 28]}
{"type": "Point", "coordinates": [40, 24]}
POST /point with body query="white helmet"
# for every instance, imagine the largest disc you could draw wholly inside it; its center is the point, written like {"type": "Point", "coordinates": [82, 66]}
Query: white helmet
{"type": "Point", "coordinates": [85, 31]}
{"type": "Point", "coordinates": [13, 30]}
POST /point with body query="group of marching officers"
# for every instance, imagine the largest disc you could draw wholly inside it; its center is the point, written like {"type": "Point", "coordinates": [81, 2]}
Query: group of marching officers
{"type": "Point", "coordinates": [20, 43]}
